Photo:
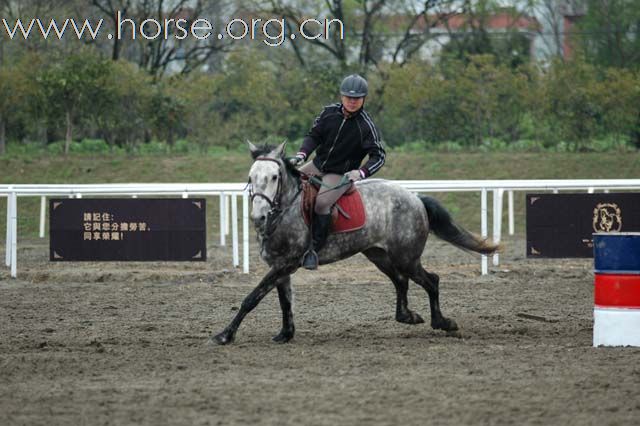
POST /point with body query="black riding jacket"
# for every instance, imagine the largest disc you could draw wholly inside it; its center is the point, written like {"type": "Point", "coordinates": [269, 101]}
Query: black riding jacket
{"type": "Point", "coordinates": [342, 143]}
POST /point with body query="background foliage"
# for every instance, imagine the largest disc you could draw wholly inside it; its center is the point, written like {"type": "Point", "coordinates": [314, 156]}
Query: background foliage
{"type": "Point", "coordinates": [484, 93]}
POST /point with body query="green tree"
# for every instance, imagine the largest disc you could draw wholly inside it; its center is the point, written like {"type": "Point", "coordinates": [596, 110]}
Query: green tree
{"type": "Point", "coordinates": [74, 83]}
{"type": "Point", "coordinates": [245, 102]}
{"type": "Point", "coordinates": [571, 105]}
{"type": "Point", "coordinates": [166, 114]}
{"type": "Point", "coordinates": [609, 33]}
{"type": "Point", "coordinates": [510, 46]}
{"type": "Point", "coordinates": [619, 97]}
{"type": "Point", "coordinates": [124, 110]}
{"type": "Point", "coordinates": [7, 100]}
{"type": "Point", "coordinates": [456, 101]}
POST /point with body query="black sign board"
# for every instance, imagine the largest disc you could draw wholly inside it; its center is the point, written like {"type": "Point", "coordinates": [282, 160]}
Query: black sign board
{"type": "Point", "coordinates": [127, 229]}
{"type": "Point", "coordinates": [560, 225]}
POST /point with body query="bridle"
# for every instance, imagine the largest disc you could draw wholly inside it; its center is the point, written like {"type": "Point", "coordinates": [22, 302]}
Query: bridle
{"type": "Point", "coordinates": [274, 215]}
{"type": "Point", "coordinates": [275, 202]}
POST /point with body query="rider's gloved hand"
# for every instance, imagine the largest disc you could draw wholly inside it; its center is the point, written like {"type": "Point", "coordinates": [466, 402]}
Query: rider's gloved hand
{"type": "Point", "coordinates": [297, 160]}
{"type": "Point", "coordinates": [354, 175]}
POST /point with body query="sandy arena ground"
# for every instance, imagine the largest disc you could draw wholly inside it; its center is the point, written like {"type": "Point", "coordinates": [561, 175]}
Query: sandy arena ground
{"type": "Point", "coordinates": [126, 343]}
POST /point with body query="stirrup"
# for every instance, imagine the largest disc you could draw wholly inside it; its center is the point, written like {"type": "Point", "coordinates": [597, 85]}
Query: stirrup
{"type": "Point", "coordinates": [310, 260]}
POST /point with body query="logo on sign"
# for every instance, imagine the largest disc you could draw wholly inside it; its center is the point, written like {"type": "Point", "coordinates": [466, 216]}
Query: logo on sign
{"type": "Point", "coordinates": [607, 217]}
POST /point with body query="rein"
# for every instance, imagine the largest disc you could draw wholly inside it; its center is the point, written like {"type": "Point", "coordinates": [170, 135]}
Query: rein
{"type": "Point", "coordinates": [317, 181]}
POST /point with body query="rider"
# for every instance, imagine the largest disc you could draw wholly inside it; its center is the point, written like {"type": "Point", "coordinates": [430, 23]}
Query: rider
{"type": "Point", "coordinates": [341, 136]}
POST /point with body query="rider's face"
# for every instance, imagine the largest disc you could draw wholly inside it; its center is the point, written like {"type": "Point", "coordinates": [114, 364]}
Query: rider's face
{"type": "Point", "coordinates": [352, 104]}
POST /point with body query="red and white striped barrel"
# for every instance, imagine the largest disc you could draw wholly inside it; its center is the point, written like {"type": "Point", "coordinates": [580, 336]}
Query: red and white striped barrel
{"type": "Point", "coordinates": [617, 289]}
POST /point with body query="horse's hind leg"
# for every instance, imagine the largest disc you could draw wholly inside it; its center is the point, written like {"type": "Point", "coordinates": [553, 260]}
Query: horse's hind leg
{"type": "Point", "coordinates": [430, 282]}
{"type": "Point", "coordinates": [285, 295]}
{"type": "Point", "coordinates": [403, 314]}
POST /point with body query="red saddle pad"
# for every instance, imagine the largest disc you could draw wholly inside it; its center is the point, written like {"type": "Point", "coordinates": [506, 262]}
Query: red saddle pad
{"type": "Point", "coordinates": [351, 204]}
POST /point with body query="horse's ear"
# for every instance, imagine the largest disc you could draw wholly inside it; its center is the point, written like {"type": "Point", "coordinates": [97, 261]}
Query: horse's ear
{"type": "Point", "coordinates": [253, 149]}
{"type": "Point", "coordinates": [280, 150]}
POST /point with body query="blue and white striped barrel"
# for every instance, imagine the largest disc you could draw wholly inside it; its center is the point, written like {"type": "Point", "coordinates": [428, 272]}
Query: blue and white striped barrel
{"type": "Point", "coordinates": [616, 312]}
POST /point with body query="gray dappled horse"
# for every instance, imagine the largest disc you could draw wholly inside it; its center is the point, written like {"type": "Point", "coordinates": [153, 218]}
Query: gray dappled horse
{"type": "Point", "coordinates": [393, 238]}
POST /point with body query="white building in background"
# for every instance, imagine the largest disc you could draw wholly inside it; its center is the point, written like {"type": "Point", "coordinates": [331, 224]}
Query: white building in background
{"type": "Point", "coordinates": [548, 26]}
{"type": "Point", "coordinates": [439, 31]}
{"type": "Point", "coordinates": [557, 19]}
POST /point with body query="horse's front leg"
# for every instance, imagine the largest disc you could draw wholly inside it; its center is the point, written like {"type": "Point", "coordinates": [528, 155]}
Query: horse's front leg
{"type": "Point", "coordinates": [267, 284]}
{"type": "Point", "coordinates": [285, 296]}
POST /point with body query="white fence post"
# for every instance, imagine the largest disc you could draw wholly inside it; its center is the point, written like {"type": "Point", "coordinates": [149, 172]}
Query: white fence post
{"type": "Point", "coordinates": [8, 240]}
{"type": "Point", "coordinates": [234, 229]}
{"type": "Point", "coordinates": [223, 219]}
{"type": "Point", "coordinates": [483, 227]}
{"type": "Point", "coordinates": [14, 235]}
{"type": "Point", "coordinates": [511, 218]}
{"type": "Point", "coordinates": [227, 203]}
{"type": "Point", "coordinates": [245, 232]}
{"type": "Point", "coordinates": [497, 221]}
{"type": "Point", "coordinates": [43, 213]}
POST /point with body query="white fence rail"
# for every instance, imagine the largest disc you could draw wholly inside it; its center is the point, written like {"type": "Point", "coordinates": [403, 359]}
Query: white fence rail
{"type": "Point", "coordinates": [228, 196]}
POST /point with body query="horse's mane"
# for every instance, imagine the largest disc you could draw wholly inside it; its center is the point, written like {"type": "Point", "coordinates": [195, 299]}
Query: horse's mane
{"type": "Point", "coordinates": [264, 149]}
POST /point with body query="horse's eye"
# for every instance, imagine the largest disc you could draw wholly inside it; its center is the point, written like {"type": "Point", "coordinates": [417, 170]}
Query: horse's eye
{"type": "Point", "coordinates": [274, 178]}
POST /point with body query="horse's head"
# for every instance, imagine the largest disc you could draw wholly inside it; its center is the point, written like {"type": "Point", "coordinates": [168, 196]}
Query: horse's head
{"type": "Point", "coordinates": [266, 178]}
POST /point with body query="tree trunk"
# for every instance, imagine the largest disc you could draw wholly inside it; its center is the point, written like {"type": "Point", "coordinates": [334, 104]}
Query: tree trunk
{"type": "Point", "coordinates": [115, 55]}
{"type": "Point", "coordinates": [67, 141]}
{"type": "Point", "coordinates": [170, 138]}
{"type": "Point", "coordinates": [43, 132]}
{"type": "Point", "coordinates": [3, 133]}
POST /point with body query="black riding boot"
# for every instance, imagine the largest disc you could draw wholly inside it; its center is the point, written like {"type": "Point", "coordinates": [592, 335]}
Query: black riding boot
{"type": "Point", "coordinates": [320, 231]}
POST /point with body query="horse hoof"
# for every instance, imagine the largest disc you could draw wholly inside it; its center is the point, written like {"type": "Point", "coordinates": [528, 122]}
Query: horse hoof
{"type": "Point", "coordinates": [221, 339]}
{"type": "Point", "coordinates": [283, 337]}
{"type": "Point", "coordinates": [445, 324]}
{"type": "Point", "coordinates": [454, 333]}
{"type": "Point", "coordinates": [410, 318]}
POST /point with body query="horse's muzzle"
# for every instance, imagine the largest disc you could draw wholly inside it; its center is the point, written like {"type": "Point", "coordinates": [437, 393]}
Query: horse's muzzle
{"type": "Point", "coordinates": [260, 222]}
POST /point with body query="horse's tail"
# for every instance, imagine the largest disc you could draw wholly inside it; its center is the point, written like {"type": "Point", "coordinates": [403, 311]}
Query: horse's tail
{"type": "Point", "coordinates": [444, 227]}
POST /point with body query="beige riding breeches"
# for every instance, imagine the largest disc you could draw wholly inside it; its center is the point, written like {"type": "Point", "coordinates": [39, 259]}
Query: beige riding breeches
{"type": "Point", "coordinates": [329, 192]}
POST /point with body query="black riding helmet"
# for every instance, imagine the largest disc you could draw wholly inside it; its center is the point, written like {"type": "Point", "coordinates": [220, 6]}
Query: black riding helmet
{"type": "Point", "coordinates": [354, 86]}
